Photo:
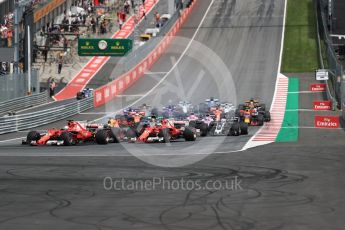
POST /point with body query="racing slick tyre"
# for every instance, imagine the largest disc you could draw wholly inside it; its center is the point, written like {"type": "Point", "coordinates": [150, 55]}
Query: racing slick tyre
{"type": "Point", "coordinates": [115, 134]}
{"type": "Point", "coordinates": [241, 107]}
{"type": "Point", "coordinates": [67, 139]}
{"type": "Point", "coordinates": [165, 133]}
{"type": "Point", "coordinates": [189, 134]}
{"type": "Point", "coordinates": [238, 114]}
{"type": "Point", "coordinates": [80, 96]}
{"type": "Point", "coordinates": [234, 130]}
{"type": "Point", "coordinates": [267, 116]}
{"type": "Point", "coordinates": [102, 137]}
{"type": "Point", "coordinates": [155, 112]}
{"type": "Point", "coordinates": [243, 128]}
{"type": "Point", "coordinates": [131, 133]}
{"type": "Point", "coordinates": [211, 125]}
{"type": "Point", "coordinates": [203, 108]}
{"type": "Point", "coordinates": [203, 129]}
{"type": "Point", "coordinates": [193, 124]}
{"type": "Point", "coordinates": [261, 119]}
{"type": "Point", "coordinates": [33, 136]}
{"type": "Point", "coordinates": [262, 107]}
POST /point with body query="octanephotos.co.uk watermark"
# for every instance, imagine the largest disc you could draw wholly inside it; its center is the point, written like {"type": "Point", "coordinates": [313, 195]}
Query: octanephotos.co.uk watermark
{"type": "Point", "coordinates": [162, 183]}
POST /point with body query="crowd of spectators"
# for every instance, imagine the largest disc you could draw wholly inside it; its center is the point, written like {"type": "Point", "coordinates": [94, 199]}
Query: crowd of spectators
{"type": "Point", "coordinates": [6, 31]}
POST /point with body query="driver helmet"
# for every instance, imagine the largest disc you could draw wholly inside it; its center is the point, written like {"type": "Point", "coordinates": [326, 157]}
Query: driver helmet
{"type": "Point", "coordinates": [71, 124]}
{"type": "Point", "coordinates": [153, 119]}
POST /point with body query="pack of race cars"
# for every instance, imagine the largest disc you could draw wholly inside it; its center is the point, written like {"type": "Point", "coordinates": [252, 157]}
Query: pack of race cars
{"type": "Point", "coordinates": [150, 125]}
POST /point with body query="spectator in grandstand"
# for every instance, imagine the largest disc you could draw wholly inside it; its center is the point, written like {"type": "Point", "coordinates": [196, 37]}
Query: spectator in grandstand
{"type": "Point", "coordinates": [65, 43]}
{"type": "Point", "coordinates": [158, 19]}
{"type": "Point", "coordinates": [121, 17]}
{"type": "Point", "coordinates": [52, 87]}
{"type": "Point", "coordinates": [144, 13]}
{"type": "Point", "coordinates": [126, 7]}
{"type": "Point", "coordinates": [60, 62]}
{"type": "Point", "coordinates": [9, 37]}
{"type": "Point", "coordinates": [45, 54]}
{"type": "Point", "coordinates": [5, 36]}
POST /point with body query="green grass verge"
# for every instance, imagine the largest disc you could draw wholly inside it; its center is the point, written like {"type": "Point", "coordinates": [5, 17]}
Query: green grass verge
{"type": "Point", "coordinates": [289, 131]}
{"type": "Point", "coordinates": [300, 44]}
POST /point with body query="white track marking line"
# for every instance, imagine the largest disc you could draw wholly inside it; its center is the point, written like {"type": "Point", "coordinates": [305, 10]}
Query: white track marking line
{"type": "Point", "coordinates": [173, 67]}
{"type": "Point", "coordinates": [155, 73]}
{"type": "Point", "coordinates": [309, 127]}
{"type": "Point", "coordinates": [130, 95]}
{"type": "Point", "coordinates": [283, 37]}
{"type": "Point", "coordinates": [111, 154]}
{"type": "Point", "coordinates": [306, 110]}
{"type": "Point", "coordinates": [14, 139]}
{"type": "Point", "coordinates": [301, 92]}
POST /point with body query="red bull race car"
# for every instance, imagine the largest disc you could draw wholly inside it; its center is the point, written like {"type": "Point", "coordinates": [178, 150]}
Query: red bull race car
{"type": "Point", "coordinates": [253, 113]}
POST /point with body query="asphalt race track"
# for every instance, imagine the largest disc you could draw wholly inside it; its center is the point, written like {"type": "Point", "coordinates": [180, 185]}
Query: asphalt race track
{"type": "Point", "coordinates": [282, 186]}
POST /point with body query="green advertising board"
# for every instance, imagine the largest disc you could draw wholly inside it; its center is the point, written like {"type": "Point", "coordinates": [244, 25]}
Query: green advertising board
{"type": "Point", "coordinates": [104, 47]}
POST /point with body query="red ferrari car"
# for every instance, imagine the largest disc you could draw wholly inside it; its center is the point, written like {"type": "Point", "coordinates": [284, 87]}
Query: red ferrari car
{"type": "Point", "coordinates": [165, 131]}
{"type": "Point", "coordinates": [74, 133]}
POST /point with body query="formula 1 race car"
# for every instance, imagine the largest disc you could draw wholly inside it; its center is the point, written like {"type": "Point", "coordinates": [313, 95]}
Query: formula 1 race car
{"type": "Point", "coordinates": [227, 107]}
{"type": "Point", "coordinates": [170, 111]}
{"type": "Point", "coordinates": [206, 106]}
{"type": "Point", "coordinates": [164, 131]}
{"type": "Point", "coordinates": [86, 93]}
{"type": "Point", "coordinates": [74, 133]}
{"type": "Point", "coordinates": [220, 123]}
{"type": "Point", "coordinates": [192, 122]}
{"type": "Point", "coordinates": [185, 107]}
{"type": "Point", "coordinates": [253, 113]}
{"type": "Point", "coordinates": [229, 127]}
{"type": "Point", "coordinates": [212, 102]}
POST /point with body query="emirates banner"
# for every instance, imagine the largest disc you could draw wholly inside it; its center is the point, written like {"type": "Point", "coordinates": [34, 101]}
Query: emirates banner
{"type": "Point", "coordinates": [326, 122]}
{"type": "Point", "coordinates": [322, 105]}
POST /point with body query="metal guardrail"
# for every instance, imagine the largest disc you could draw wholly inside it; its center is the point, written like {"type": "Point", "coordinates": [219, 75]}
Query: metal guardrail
{"type": "Point", "coordinates": [16, 123]}
{"type": "Point", "coordinates": [332, 63]}
{"type": "Point", "coordinates": [328, 92]}
{"type": "Point", "coordinates": [23, 103]}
